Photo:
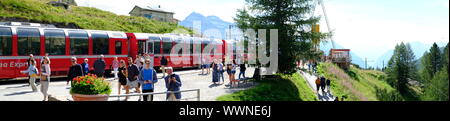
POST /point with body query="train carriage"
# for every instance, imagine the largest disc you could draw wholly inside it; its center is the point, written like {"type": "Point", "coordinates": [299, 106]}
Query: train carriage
{"type": "Point", "coordinates": [61, 44]}
{"type": "Point", "coordinates": [17, 42]}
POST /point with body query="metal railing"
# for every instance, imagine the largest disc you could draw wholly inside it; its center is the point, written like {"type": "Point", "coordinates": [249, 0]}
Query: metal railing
{"type": "Point", "coordinates": [167, 92]}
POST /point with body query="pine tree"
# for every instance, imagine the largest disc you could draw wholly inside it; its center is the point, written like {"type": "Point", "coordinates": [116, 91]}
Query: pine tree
{"type": "Point", "coordinates": [402, 67]}
{"type": "Point", "coordinates": [437, 87]}
{"type": "Point", "coordinates": [432, 62]}
{"type": "Point", "coordinates": [291, 19]}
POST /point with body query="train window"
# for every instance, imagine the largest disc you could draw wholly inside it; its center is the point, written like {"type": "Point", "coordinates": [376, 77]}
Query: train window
{"type": "Point", "coordinates": [118, 47]}
{"type": "Point", "coordinates": [167, 45]}
{"type": "Point", "coordinates": [55, 42]}
{"type": "Point", "coordinates": [157, 48]}
{"type": "Point", "coordinates": [28, 41]}
{"type": "Point", "coordinates": [78, 42]}
{"type": "Point", "coordinates": [141, 46]}
{"type": "Point", "coordinates": [157, 45]}
{"type": "Point", "coordinates": [150, 48]}
{"type": "Point", "coordinates": [198, 48]}
{"type": "Point", "coordinates": [206, 43]}
{"type": "Point", "coordinates": [100, 43]}
{"type": "Point", "coordinates": [196, 45]}
{"type": "Point", "coordinates": [5, 42]}
{"type": "Point", "coordinates": [191, 45]}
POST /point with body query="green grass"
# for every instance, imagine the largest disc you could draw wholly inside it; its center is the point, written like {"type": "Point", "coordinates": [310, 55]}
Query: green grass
{"type": "Point", "coordinates": [354, 83]}
{"type": "Point", "coordinates": [282, 88]}
{"type": "Point", "coordinates": [83, 17]}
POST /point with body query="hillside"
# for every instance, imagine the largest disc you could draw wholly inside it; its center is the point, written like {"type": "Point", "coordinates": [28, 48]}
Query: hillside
{"type": "Point", "coordinates": [81, 17]}
{"type": "Point", "coordinates": [281, 88]}
{"type": "Point", "coordinates": [356, 84]}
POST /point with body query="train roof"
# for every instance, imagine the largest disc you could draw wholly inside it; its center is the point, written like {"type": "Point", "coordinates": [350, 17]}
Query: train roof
{"type": "Point", "coordinates": [111, 34]}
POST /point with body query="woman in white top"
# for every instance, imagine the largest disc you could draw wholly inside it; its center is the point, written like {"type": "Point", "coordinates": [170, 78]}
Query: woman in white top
{"type": "Point", "coordinates": [45, 77]}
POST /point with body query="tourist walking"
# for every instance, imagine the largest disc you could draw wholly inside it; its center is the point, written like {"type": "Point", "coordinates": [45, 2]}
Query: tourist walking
{"type": "Point", "coordinates": [231, 71]}
{"type": "Point", "coordinates": [215, 73]}
{"type": "Point", "coordinates": [221, 71]}
{"type": "Point", "coordinates": [133, 73]}
{"type": "Point", "coordinates": [148, 79]}
{"type": "Point", "coordinates": [123, 78]}
{"type": "Point", "coordinates": [242, 70]}
{"type": "Point", "coordinates": [45, 77]}
{"type": "Point", "coordinates": [203, 66]}
{"type": "Point", "coordinates": [75, 70]}
{"type": "Point", "coordinates": [163, 65]}
{"type": "Point", "coordinates": [317, 85]}
{"type": "Point", "coordinates": [29, 61]}
{"type": "Point", "coordinates": [322, 84]}
{"type": "Point", "coordinates": [32, 72]}
{"type": "Point", "coordinates": [138, 61]}
{"type": "Point", "coordinates": [115, 65]}
{"type": "Point", "coordinates": [85, 66]}
{"type": "Point", "coordinates": [328, 85]}
{"type": "Point", "coordinates": [173, 83]}
{"type": "Point", "coordinates": [99, 66]}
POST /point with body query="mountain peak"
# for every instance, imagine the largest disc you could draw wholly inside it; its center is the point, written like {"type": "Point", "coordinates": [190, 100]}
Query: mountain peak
{"type": "Point", "coordinates": [207, 23]}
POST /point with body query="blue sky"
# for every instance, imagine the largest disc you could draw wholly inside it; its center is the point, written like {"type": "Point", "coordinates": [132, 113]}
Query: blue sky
{"type": "Point", "coordinates": [372, 27]}
{"type": "Point", "coordinates": [368, 27]}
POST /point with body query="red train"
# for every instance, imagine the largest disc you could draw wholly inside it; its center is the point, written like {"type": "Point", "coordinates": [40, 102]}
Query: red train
{"type": "Point", "coordinates": [17, 42]}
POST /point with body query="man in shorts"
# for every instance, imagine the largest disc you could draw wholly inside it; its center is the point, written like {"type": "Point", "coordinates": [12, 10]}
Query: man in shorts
{"type": "Point", "coordinates": [133, 73]}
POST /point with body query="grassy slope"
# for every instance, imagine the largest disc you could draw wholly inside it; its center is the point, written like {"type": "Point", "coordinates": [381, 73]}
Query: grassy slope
{"type": "Point", "coordinates": [84, 17]}
{"type": "Point", "coordinates": [356, 84]}
{"type": "Point", "coordinates": [283, 88]}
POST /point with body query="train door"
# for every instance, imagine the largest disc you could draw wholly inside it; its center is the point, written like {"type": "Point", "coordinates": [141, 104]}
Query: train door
{"type": "Point", "coordinates": [149, 45]}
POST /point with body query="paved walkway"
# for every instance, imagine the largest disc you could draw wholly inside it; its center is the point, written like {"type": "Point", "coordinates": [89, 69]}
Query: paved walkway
{"type": "Point", "coordinates": [191, 79]}
{"type": "Point", "coordinates": [311, 79]}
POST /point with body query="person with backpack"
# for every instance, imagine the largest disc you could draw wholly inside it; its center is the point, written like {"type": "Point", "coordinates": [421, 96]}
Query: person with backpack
{"type": "Point", "coordinates": [317, 84]}
{"type": "Point", "coordinates": [29, 61]}
{"type": "Point", "coordinates": [322, 84]}
{"type": "Point", "coordinates": [148, 79]}
{"type": "Point", "coordinates": [32, 72]}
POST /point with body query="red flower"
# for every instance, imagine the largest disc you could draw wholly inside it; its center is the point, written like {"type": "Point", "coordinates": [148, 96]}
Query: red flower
{"type": "Point", "coordinates": [88, 82]}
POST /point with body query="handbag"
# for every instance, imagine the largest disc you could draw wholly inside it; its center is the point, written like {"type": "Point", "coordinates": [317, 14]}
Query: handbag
{"type": "Point", "coordinates": [34, 75]}
{"type": "Point", "coordinates": [43, 78]}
